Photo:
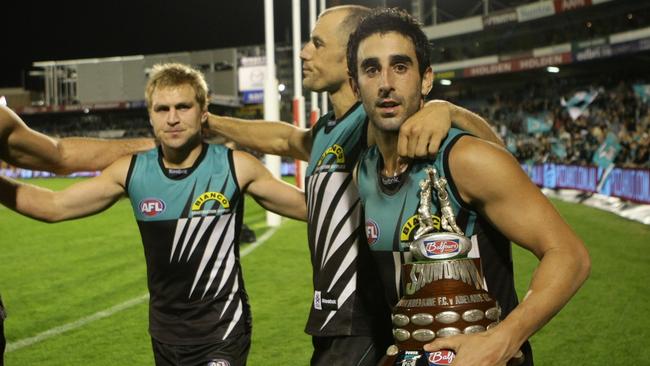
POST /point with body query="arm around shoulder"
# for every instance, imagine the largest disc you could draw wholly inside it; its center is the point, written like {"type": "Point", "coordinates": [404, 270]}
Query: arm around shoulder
{"type": "Point", "coordinates": [87, 154]}
{"type": "Point", "coordinates": [421, 135]}
{"type": "Point", "coordinates": [23, 147]}
{"type": "Point", "coordinates": [473, 123]}
{"type": "Point", "coordinates": [269, 137]}
{"type": "Point", "coordinates": [31, 149]}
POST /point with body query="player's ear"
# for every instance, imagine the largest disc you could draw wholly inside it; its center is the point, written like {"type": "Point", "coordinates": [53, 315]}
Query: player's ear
{"type": "Point", "coordinates": [354, 85]}
{"type": "Point", "coordinates": [427, 81]}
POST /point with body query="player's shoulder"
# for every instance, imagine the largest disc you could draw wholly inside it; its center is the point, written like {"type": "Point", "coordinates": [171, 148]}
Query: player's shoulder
{"type": "Point", "coordinates": [122, 163]}
{"type": "Point", "coordinates": [472, 157]}
{"type": "Point", "coordinates": [473, 149]}
{"type": "Point", "coordinates": [243, 157]}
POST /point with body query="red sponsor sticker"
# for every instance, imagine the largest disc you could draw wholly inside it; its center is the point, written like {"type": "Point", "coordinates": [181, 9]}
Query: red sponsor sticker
{"type": "Point", "coordinates": [436, 247]}
{"type": "Point", "coordinates": [151, 206]}
{"type": "Point", "coordinates": [443, 357]}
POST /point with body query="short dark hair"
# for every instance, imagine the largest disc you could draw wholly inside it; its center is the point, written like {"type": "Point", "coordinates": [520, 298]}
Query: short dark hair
{"type": "Point", "coordinates": [383, 20]}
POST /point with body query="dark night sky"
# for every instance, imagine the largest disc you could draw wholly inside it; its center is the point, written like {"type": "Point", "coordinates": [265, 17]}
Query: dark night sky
{"type": "Point", "coordinates": [56, 30]}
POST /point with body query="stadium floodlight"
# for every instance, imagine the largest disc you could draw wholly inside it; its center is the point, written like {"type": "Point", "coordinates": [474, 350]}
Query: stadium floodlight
{"type": "Point", "coordinates": [445, 82]}
{"type": "Point", "coordinates": [553, 69]}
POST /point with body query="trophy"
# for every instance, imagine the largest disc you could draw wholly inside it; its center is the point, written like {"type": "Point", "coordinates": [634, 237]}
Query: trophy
{"type": "Point", "coordinates": [444, 291]}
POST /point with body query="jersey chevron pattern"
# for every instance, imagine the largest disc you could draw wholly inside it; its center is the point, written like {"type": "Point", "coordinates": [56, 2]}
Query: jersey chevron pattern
{"type": "Point", "coordinates": [189, 228]}
{"type": "Point", "coordinates": [339, 254]}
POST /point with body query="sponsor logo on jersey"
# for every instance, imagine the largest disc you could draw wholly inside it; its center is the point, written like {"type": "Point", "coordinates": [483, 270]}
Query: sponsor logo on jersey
{"type": "Point", "coordinates": [444, 357]}
{"type": "Point", "coordinates": [205, 197]}
{"type": "Point", "coordinates": [317, 301]}
{"type": "Point", "coordinates": [372, 231]}
{"type": "Point", "coordinates": [436, 247]}
{"type": "Point", "coordinates": [335, 150]}
{"type": "Point", "coordinates": [152, 206]}
{"type": "Point", "coordinates": [220, 362]}
{"type": "Point", "coordinates": [324, 301]}
{"type": "Point", "coordinates": [412, 225]}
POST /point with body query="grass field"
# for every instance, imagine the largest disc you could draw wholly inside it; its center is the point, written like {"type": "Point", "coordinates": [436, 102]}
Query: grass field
{"type": "Point", "coordinates": [88, 275]}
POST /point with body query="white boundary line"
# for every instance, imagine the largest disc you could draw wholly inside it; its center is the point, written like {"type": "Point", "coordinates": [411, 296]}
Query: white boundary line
{"type": "Point", "coordinates": [53, 332]}
{"type": "Point", "coordinates": [76, 324]}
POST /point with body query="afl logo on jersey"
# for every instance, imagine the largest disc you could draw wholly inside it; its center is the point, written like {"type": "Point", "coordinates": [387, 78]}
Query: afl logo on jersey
{"type": "Point", "coordinates": [372, 231]}
{"type": "Point", "coordinates": [152, 206]}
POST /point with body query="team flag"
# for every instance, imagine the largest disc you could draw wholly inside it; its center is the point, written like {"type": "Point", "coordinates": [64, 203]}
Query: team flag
{"type": "Point", "coordinates": [558, 148]}
{"type": "Point", "coordinates": [607, 151]}
{"type": "Point", "coordinates": [538, 123]}
{"type": "Point", "coordinates": [642, 91]}
{"type": "Point", "coordinates": [577, 105]}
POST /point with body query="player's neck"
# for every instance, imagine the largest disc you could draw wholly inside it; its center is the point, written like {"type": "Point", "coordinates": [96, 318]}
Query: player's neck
{"type": "Point", "coordinates": [387, 145]}
{"type": "Point", "coordinates": [342, 100]}
{"type": "Point", "coordinates": [183, 157]}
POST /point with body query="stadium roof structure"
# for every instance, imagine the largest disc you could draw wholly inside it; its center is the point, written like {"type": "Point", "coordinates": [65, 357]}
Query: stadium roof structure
{"type": "Point", "coordinates": [511, 37]}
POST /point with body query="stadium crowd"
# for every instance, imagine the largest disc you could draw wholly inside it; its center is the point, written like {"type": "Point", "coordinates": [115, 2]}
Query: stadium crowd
{"type": "Point", "coordinates": [616, 110]}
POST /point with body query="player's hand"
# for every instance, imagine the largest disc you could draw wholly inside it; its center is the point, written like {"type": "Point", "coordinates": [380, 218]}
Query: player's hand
{"type": "Point", "coordinates": [207, 127]}
{"type": "Point", "coordinates": [421, 134]}
{"type": "Point", "coordinates": [488, 348]}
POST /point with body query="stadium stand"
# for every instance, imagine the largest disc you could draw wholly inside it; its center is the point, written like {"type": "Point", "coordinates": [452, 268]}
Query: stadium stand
{"type": "Point", "coordinates": [564, 82]}
{"type": "Point", "coordinates": [538, 129]}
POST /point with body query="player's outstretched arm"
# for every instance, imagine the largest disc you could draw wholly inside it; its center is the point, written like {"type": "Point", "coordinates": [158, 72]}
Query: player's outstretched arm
{"type": "Point", "coordinates": [491, 180]}
{"type": "Point", "coordinates": [270, 192]}
{"type": "Point", "coordinates": [86, 154]}
{"type": "Point", "coordinates": [81, 199]}
{"type": "Point", "coordinates": [269, 137]}
{"type": "Point", "coordinates": [421, 134]}
{"type": "Point", "coordinates": [23, 147]}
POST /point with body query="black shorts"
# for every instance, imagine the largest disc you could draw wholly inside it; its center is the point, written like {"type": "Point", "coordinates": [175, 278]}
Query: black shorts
{"type": "Point", "coordinates": [347, 350]}
{"type": "Point", "coordinates": [231, 352]}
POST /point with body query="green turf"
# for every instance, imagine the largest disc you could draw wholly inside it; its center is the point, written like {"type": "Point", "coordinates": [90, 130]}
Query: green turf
{"type": "Point", "coordinates": [54, 274]}
{"type": "Point", "coordinates": [606, 322]}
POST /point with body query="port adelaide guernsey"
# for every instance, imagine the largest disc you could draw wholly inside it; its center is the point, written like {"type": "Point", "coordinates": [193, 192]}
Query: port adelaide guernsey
{"type": "Point", "coordinates": [190, 221]}
{"type": "Point", "coordinates": [343, 282]}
